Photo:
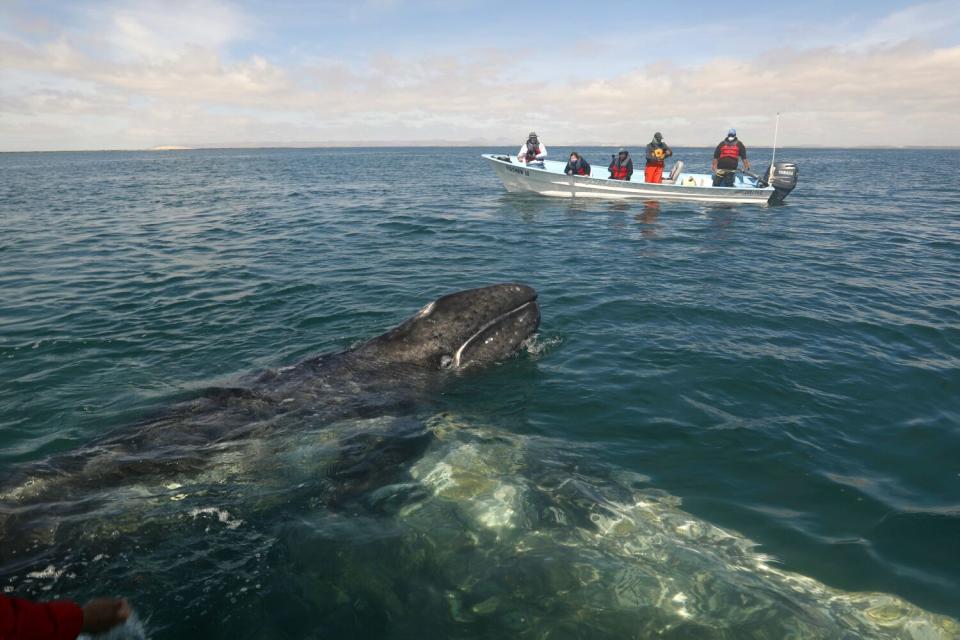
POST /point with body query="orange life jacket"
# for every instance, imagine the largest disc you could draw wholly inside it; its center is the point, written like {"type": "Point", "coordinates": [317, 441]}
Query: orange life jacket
{"type": "Point", "coordinates": [618, 170]}
{"type": "Point", "coordinates": [730, 150]}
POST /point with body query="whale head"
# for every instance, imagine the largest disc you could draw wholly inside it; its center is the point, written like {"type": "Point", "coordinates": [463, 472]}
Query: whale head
{"type": "Point", "coordinates": [463, 329]}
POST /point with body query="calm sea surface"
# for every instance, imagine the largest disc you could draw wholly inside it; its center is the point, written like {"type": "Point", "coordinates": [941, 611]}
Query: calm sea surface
{"type": "Point", "coordinates": [789, 374]}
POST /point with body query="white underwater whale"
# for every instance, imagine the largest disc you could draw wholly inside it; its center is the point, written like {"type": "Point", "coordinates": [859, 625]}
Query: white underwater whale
{"type": "Point", "coordinates": [526, 538]}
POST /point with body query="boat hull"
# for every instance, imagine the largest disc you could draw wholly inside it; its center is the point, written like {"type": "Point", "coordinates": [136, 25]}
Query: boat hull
{"type": "Point", "coordinates": [550, 181]}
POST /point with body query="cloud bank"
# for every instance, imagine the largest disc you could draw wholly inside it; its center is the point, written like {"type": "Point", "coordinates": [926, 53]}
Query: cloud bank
{"type": "Point", "coordinates": [138, 75]}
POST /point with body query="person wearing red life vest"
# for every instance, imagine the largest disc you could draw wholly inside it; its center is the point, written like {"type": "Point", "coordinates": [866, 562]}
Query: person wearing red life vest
{"type": "Point", "coordinates": [726, 159]}
{"type": "Point", "coordinates": [657, 152]}
{"type": "Point", "coordinates": [576, 165]}
{"type": "Point", "coordinates": [59, 620]}
{"type": "Point", "coordinates": [532, 151]}
{"type": "Point", "coordinates": [621, 167]}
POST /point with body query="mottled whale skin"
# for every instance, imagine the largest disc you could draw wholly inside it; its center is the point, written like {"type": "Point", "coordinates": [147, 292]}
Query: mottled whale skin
{"type": "Point", "coordinates": [384, 375]}
{"type": "Point", "coordinates": [495, 534]}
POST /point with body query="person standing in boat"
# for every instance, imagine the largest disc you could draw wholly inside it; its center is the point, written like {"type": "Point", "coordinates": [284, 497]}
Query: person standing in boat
{"type": "Point", "coordinates": [532, 151]}
{"type": "Point", "coordinates": [577, 166]}
{"type": "Point", "coordinates": [621, 167]}
{"type": "Point", "coordinates": [657, 152]}
{"type": "Point", "coordinates": [726, 158]}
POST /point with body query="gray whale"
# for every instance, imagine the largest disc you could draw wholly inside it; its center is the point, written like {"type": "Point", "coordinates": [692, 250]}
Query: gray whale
{"type": "Point", "coordinates": [386, 375]}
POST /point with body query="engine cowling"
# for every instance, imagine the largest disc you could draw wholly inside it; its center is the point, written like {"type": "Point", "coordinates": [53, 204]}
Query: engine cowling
{"type": "Point", "coordinates": [782, 176]}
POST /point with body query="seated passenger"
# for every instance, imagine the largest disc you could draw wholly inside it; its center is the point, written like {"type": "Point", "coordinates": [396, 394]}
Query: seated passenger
{"type": "Point", "coordinates": [532, 151]}
{"type": "Point", "coordinates": [621, 167]}
{"type": "Point", "coordinates": [577, 166]}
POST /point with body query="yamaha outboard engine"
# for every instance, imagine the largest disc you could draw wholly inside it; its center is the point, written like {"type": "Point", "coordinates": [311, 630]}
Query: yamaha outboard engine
{"type": "Point", "coordinates": [782, 176]}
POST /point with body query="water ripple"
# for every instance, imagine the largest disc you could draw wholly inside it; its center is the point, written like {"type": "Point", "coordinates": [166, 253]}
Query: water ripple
{"type": "Point", "coordinates": [792, 372]}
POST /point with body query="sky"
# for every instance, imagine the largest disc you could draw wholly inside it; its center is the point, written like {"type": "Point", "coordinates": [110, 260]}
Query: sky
{"type": "Point", "coordinates": [119, 74]}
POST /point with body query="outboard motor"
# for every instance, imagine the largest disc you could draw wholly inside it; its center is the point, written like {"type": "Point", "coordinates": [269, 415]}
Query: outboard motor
{"type": "Point", "coordinates": [782, 176]}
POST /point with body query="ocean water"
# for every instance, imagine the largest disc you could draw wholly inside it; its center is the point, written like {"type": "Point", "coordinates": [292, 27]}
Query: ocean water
{"type": "Point", "coordinates": [733, 422]}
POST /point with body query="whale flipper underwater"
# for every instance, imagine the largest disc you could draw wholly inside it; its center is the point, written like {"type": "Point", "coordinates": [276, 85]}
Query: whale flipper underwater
{"type": "Point", "coordinates": [385, 375]}
{"type": "Point", "coordinates": [319, 501]}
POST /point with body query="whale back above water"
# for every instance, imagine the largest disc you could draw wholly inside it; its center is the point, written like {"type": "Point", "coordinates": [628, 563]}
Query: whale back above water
{"type": "Point", "coordinates": [389, 374]}
{"type": "Point", "coordinates": [473, 327]}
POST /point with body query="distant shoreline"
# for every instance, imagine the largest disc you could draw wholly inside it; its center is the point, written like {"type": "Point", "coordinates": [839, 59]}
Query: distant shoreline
{"type": "Point", "coordinates": [430, 145]}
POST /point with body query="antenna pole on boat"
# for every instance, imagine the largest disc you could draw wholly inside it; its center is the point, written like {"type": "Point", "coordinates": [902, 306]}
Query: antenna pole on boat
{"type": "Point", "coordinates": [776, 130]}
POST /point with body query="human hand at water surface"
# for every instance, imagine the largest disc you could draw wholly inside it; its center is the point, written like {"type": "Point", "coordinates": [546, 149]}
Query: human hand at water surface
{"type": "Point", "coordinates": [104, 614]}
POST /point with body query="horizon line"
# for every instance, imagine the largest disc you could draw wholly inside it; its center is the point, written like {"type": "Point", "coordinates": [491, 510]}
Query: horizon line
{"type": "Point", "coordinates": [434, 145]}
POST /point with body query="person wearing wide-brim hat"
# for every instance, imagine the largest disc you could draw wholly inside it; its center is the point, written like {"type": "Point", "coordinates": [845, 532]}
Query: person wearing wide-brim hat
{"type": "Point", "coordinates": [532, 151]}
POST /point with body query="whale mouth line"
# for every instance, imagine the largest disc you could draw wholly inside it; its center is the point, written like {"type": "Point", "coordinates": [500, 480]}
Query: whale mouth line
{"type": "Point", "coordinates": [459, 352]}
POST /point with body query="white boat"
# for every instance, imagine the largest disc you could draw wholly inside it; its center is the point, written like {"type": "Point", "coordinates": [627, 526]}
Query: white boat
{"type": "Point", "coordinates": [548, 178]}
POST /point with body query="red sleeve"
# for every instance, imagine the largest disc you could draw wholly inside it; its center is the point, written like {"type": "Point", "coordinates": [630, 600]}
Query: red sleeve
{"type": "Point", "coordinates": [25, 620]}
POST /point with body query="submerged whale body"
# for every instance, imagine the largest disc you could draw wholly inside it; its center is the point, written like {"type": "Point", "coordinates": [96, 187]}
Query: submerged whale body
{"type": "Point", "coordinates": [388, 374]}
{"type": "Point", "coordinates": [502, 535]}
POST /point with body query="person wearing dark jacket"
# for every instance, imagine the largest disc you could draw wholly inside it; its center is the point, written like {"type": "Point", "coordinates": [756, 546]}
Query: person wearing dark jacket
{"type": "Point", "coordinates": [657, 152]}
{"type": "Point", "coordinates": [59, 620]}
{"type": "Point", "coordinates": [621, 167]}
{"type": "Point", "coordinates": [726, 158]}
{"type": "Point", "coordinates": [577, 166]}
